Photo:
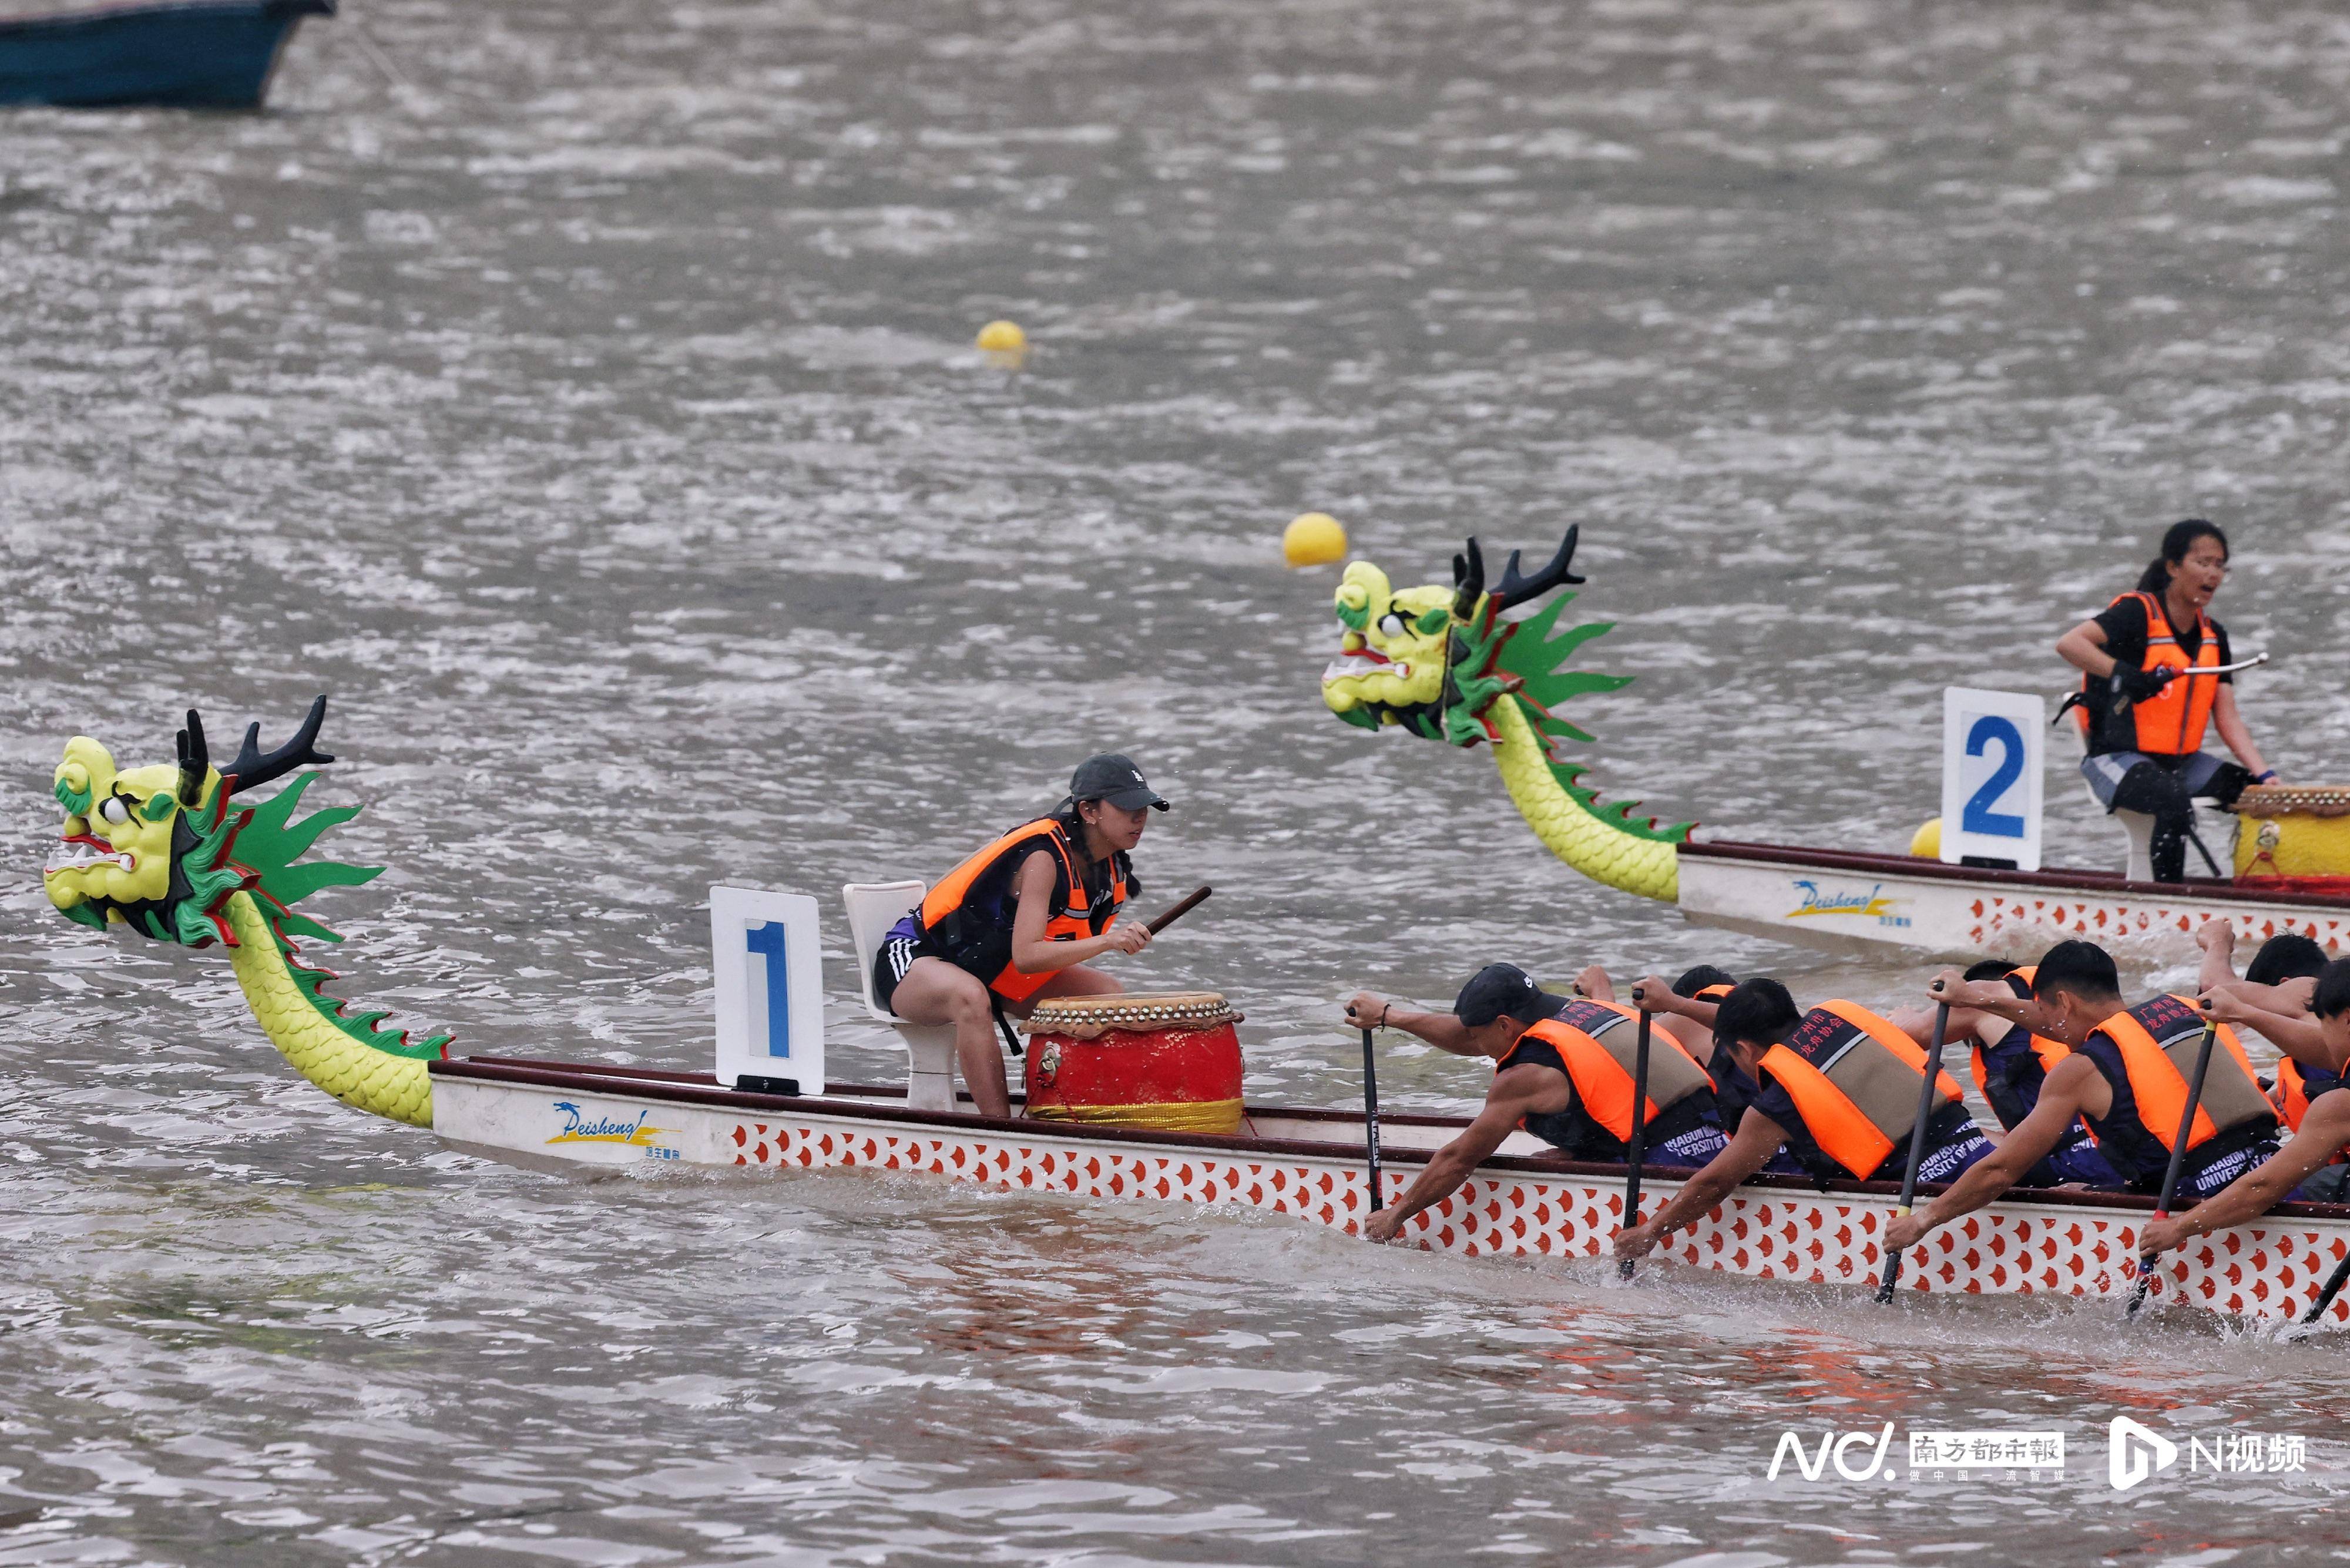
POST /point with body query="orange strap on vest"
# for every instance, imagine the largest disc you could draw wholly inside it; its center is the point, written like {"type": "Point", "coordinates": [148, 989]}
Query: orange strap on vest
{"type": "Point", "coordinates": [1602, 1083]}
{"type": "Point", "coordinates": [2171, 723]}
{"type": "Point", "coordinates": [1845, 1132]}
{"type": "Point", "coordinates": [2160, 1088]}
{"type": "Point", "coordinates": [1066, 925]}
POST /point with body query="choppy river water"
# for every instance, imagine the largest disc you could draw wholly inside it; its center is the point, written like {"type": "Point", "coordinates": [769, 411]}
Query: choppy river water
{"type": "Point", "coordinates": [595, 420]}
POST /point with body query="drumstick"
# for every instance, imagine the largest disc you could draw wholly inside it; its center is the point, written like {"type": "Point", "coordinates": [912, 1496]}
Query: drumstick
{"type": "Point", "coordinates": [1183, 906]}
{"type": "Point", "coordinates": [2189, 673]}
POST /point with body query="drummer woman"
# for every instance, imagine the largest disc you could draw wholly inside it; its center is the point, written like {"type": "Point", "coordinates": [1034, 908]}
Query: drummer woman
{"type": "Point", "coordinates": [2142, 709]}
{"type": "Point", "coordinates": [1017, 922]}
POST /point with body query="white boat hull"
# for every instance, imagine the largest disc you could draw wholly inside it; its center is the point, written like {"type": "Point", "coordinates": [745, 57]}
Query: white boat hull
{"type": "Point", "coordinates": [1309, 1166]}
{"type": "Point", "coordinates": [1849, 902]}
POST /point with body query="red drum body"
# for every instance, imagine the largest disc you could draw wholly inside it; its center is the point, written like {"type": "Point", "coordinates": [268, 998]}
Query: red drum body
{"type": "Point", "coordinates": [1170, 1061]}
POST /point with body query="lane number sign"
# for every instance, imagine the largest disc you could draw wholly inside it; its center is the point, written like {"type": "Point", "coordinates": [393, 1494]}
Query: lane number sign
{"type": "Point", "coordinates": [767, 961]}
{"type": "Point", "coordinates": [1992, 776]}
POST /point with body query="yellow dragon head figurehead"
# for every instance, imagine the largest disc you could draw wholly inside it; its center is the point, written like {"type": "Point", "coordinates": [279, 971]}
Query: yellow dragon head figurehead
{"type": "Point", "coordinates": [159, 850]}
{"type": "Point", "coordinates": [1448, 664]}
{"type": "Point", "coordinates": [175, 854]}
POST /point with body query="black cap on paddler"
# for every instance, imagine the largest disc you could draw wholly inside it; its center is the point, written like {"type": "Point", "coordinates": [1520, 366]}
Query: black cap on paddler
{"type": "Point", "coordinates": [1503, 990]}
{"type": "Point", "coordinates": [1113, 778]}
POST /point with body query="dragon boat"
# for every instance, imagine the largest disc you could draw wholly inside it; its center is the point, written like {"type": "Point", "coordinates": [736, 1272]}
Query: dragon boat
{"type": "Point", "coordinates": [183, 853]}
{"type": "Point", "coordinates": [1456, 664]}
{"type": "Point", "coordinates": [183, 54]}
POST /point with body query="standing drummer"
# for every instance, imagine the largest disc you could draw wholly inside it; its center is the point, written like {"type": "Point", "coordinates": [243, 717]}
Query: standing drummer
{"type": "Point", "coordinates": [2144, 709]}
{"type": "Point", "coordinates": [1018, 921]}
{"type": "Point", "coordinates": [1563, 1070]}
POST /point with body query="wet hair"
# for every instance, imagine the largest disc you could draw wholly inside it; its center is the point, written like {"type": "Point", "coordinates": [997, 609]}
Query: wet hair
{"type": "Point", "coordinates": [1989, 968]}
{"type": "Point", "coordinates": [2176, 540]}
{"type": "Point", "coordinates": [2085, 968]}
{"type": "Point", "coordinates": [1759, 1009]}
{"type": "Point", "coordinates": [2333, 998]}
{"type": "Point", "coordinates": [1705, 974]}
{"type": "Point", "coordinates": [2288, 957]}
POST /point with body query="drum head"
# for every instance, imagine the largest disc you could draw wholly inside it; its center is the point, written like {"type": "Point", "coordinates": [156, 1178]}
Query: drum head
{"type": "Point", "coordinates": [1085, 1017]}
{"type": "Point", "coordinates": [2294, 800]}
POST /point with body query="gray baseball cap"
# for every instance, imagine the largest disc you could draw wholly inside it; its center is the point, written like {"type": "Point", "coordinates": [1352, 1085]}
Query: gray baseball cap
{"type": "Point", "coordinates": [1109, 776]}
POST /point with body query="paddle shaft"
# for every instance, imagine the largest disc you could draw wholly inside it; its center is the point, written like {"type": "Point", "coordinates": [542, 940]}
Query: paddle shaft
{"type": "Point", "coordinates": [2333, 1283]}
{"type": "Point", "coordinates": [1183, 906]}
{"type": "Point", "coordinates": [1640, 1132]}
{"type": "Point", "coordinates": [2177, 1160]}
{"type": "Point", "coordinates": [1371, 1121]}
{"type": "Point", "coordinates": [1917, 1146]}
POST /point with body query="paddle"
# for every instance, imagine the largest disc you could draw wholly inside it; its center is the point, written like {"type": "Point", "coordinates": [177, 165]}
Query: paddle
{"type": "Point", "coordinates": [1640, 1132]}
{"type": "Point", "coordinates": [1371, 1123]}
{"type": "Point", "coordinates": [2178, 1158]}
{"type": "Point", "coordinates": [1916, 1147]}
{"type": "Point", "coordinates": [1183, 906]}
{"type": "Point", "coordinates": [2333, 1283]}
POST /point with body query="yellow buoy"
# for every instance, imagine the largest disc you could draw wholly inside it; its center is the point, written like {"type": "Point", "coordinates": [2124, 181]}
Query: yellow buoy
{"type": "Point", "coordinates": [1002, 338]}
{"type": "Point", "coordinates": [1313, 539]}
{"type": "Point", "coordinates": [1925, 844]}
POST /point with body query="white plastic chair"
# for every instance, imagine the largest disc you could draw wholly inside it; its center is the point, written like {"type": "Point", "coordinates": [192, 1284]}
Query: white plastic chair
{"type": "Point", "coordinates": [2218, 828]}
{"type": "Point", "coordinates": [873, 908]}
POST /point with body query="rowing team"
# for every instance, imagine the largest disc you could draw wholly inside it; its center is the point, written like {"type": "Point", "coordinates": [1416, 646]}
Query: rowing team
{"type": "Point", "coordinates": [2090, 1091]}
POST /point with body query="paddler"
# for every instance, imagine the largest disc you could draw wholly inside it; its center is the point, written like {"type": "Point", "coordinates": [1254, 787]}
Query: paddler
{"type": "Point", "coordinates": [2143, 711]}
{"type": "Point", "coordinates": [1563, 1070]}
{"type": "Point", "coordinates": [2316, 1147]}
{"type": "Point", "coordinates": [1839, 1089]}
{"type": "Point", "coordinates": [2125, 1079]}
{"type": "Point", "coordinates": [2010, 1064]}
{"type": "Point", "coordinates": [1685, 1009]}
{"type": "Point", "coordinates": [2275, 997]}
{"type": "Point", "coordinates": [1018, 921]}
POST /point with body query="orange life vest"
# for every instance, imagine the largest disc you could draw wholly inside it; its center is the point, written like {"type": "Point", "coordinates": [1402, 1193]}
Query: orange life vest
{"type": "Point", "coordinates": [2292, 1096]}
{"type": "Point", "coordinates": [2158, 1042]}
{"type": "Point", "coordinates": [1854, 1078]}
{"type": "Point", "coordinates": [2170, 723]}
{"type": "Point", "coordinates": [946, 910]}
{"type": "Point", "coordinates": [1599, 1043]}
{"type": "Point", "coordinates": [2050, 1052]}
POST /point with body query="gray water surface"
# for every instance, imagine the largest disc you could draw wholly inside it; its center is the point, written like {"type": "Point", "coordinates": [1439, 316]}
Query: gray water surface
{"type": "Point", "coordinates": [596, 422]}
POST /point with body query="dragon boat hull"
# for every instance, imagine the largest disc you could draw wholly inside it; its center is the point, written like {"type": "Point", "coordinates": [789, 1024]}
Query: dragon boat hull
{"type": "Point", "coordinates": [192, 53]}
{"type": "Point", "coordinates": [1845, 900]}
{"type": "Point", "coordinates": [1307, 1164]}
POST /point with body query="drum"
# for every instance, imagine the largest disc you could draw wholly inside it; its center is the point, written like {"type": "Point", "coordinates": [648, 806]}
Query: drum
{"type": "Point", "coordinates": [2294, 838]}
{"type": "Point", "coordinates": [1170, 1061]}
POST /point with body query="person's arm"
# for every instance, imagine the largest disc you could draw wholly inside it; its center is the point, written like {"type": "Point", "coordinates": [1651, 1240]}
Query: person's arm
{"type": "Point", "coordinates": [2217, 941]}
{"type": "Point", "coordinates": [1513, 1094]}
{"type": "Point", "coordinates": [2060, 1101]}
{"type": "Point", "coordinates": [1757, 1140]}
{"type": "Point", "coordinates": [1966, 1023]}
{"type": "Point", "coordinates": [2228, 719]}
{"type": "Point", "coordinates": [2322, 1132]}
{"type": "Point", "coordinates": [2084, 648]}
{"type": "Point", "coordinates": [1655, 994]}
{"type": "Point", "coordinates": [1441, 1030]}
{"type": "Point", "coordinates": [1995, 998]}
{"type": "Point", "coordinates": [2299, 1038]}
{"type": "Point", "coordinates": [1031, 953]}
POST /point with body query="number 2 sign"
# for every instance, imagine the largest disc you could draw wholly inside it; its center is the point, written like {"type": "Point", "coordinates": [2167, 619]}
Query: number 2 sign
{"type": "Point", "coordinates": [1990, 777]}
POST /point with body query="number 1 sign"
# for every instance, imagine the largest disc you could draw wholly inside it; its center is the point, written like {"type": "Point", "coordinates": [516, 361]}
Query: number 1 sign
{"type": "Point", "coordinates": [1990, 777]}
{"type": "Point", "coordinates": [768, 963]}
